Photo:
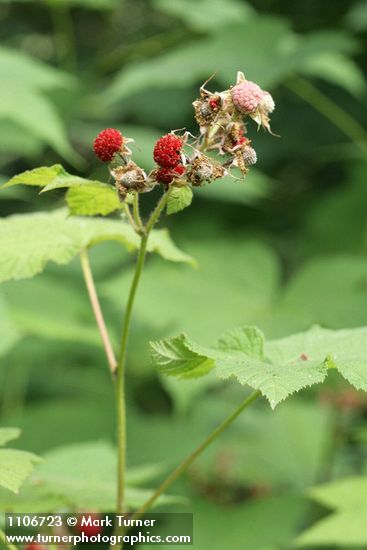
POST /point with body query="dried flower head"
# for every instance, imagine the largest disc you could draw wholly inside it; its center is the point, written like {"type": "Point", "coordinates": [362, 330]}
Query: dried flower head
{"type": "Point", "coordinates": [130, 178]}
{"type": "Point", "coordinates": [249, 156]}
{"type": "Point", "coordinates": [204, 169]}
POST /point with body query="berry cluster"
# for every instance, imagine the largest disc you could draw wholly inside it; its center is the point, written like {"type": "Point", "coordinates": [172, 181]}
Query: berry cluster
{"type": "Point", "coordinates": [168, 155]}
{"type": "Point", "coordinates": [182, 159]}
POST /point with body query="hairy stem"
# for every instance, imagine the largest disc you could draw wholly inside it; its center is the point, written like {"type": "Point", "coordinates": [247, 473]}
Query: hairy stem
{"type": "Point", "coordinates": [185, 464]}
{"type": "Point", "coordinates": [130, 217]}
{"type": "Point", "coordinates": [340, 118]}
{"type": "Point", "coordinates": [120, 381]}
{"type": "Point", "coordinates": [97, 310]}
{"type": "Point", "coordinates": [136, 212]}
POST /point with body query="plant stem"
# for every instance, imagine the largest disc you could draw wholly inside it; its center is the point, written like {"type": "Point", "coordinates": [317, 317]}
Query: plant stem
{"type": "Point", "coordinates": [120, 381]}
{"type": "Point", "coordinates": [96, 306]}
{"type": "Point", "coordinates": [7, 544]}
{"type": "Point", "coordinates": [130, 217]}
{"type": "Point", "coordinates": [157, 211]}
{"type": "Point", "coordinates": [340, 118]}
{"type": "Point", "coordinates": [136, 212]}
{"type": "Point", "coordinates": [200, 449]}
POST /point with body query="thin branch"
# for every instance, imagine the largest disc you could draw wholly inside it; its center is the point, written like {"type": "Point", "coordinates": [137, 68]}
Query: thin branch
{"type": "Point", "coordinates": [193, 456]}
{"type": "Point", "coordinates": [120, 380]}
{"type": "Point", "coordinates": [96, 306]}
{"type": "Point", "coordinates": [136, 212]}
{"type": "Point", "coordinates": [130, 217]}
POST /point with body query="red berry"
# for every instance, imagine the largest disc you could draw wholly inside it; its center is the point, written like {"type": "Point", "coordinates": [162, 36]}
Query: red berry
{"type": "Point", "coordinates": [214, 104]}
{"type": "Point", "coordinates": [90, 530]}
{"type": "Point", "coordinates": [107, 143]}
{"type": "Point", "coordinates": [35, 546]}
{"type": "Point", "coordinates": [166, 175]}
{"type": "Point", "coordinates": [167, 151]}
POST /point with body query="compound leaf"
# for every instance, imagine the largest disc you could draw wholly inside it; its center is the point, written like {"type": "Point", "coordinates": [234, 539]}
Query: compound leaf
{"type": "Point", "coordinates": [277, 368]}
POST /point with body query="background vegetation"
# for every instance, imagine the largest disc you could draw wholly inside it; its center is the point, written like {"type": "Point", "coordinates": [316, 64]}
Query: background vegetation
{"type": "Point", "coordinates": [284, 250]}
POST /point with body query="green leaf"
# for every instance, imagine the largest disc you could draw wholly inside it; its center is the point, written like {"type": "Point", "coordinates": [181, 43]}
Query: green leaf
{"type": "Point", "coordinates": [47, 308]}
{"type": "Point", "coordinates": [274, 453]}
{"type": "Point", "coordinates": [346, 526]}
{"type": "Point", "coordinates": [206, 15]}
{"type": "Point", "coordinates": [178, 357]}
{"type": "Point", "coordinates": [85, 197]}
{"type": "Point", "coordinates": [88, 4]}
{"type": "Point", "coordinates": [8, 434]}
{"type": "Point", "coordinates": [23, 100]}
{"type": "Point", "coordinates": [15, 466]}
{"type": "Point", "coordinates": [80, 476]}
{"type": "Point", "coordinates": [14, 139]}
{"type": "Point", "coordinates": [277, 368]}
{"type": "Point", "coordinates": [179, 198]}
{"type": "Point", "coordinates": [336, 68]}
{"type": "Point", "coordinates": [41, 177]}
{"type": "Point", "coordinates": [266, 523]}
{"type": "Point", "coordinates": [30, 241]}
{"type": "Point", "coordinates": [254, 187]}
{"type": "Point", "coordinates": [242, 275]}
{"type": "Point", "coordinates": [356, 18]}
{"type": "Point", "coordinates": [161, 243]}
{"type": "Point", "coordinates": [253, 365]}
{"type": "Point", "coordinates": [279, 54]}
{"type": "Point", "coordinates": [330, 291]}
{"type": "Point", "coordinates": [52, 177]}
{"type": "Point", "coordinates": [94, 199]}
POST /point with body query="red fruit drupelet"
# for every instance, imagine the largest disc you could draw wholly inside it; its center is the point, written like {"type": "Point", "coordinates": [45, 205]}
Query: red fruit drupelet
{"type": "Point", "coordinates": [166, 175]}
{"type": "Point", "coordinates": [214, 104]}
{"type": "Point", "coordinates": [167, 151]}
{"type": "Point", "coordinates": [107, 144]}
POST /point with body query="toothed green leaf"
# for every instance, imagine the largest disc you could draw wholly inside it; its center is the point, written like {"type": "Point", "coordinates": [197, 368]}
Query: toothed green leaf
{"type": "Point", "coordinates": [93, 199]}
{"type": "Point", "coordinates": [29, 241]}
{"type": "Point", "coordinates": [179, 198]}
{"type": "Point", "coordinates": [277, 368]}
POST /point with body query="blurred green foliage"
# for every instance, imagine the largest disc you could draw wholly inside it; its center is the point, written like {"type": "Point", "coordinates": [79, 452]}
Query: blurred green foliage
{"type": "Point", "coordinates": [284, 250]}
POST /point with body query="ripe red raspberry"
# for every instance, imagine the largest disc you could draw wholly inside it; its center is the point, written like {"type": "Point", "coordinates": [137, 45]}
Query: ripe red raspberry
{"type": "Point", "coordinates": [166, 175]}
{"type": "Point", "coordinates": [167, 151]}
{"type": "Point", "coordinates": [247, 96]}
{"type": "Point", "coordinates": [107, 143]}
{"type": "Point", "coordinates": [89, 530]}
